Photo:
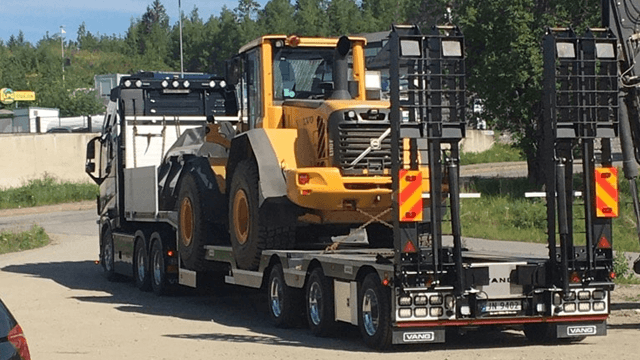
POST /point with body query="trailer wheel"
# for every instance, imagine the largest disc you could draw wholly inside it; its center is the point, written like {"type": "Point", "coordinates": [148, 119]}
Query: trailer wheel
{"type": "Point", "coordinates": [284, 301]}
{"type": "Point", "coordinates": [107, 256]}
{"type": "Point", "coordinates": [374, 312]}
{"type": "Point", "coordinates": [320, 307]}
{"type": "Point", "coordinates": [249, 235]}
{"type": "Point", "coordinates": [159, 282]}
{"type": "Point", "coordinates": [194, 222]}
{"type": "Point", "coordinates": [141, 265]}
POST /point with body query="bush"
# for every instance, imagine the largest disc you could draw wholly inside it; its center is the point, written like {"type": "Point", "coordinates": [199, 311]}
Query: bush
{"type": "Point", "coordinates": [46, 191]}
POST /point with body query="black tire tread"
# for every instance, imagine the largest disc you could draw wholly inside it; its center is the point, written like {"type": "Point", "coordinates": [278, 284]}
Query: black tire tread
{"type": "Point", "coordinates": [203, 226]}
{"type": "Point", "coordinates": [268, 236]}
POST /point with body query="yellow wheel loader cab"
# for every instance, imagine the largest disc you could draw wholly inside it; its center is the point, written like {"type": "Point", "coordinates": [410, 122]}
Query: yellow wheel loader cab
{"type": "Point", "coordinates": [318, 142]}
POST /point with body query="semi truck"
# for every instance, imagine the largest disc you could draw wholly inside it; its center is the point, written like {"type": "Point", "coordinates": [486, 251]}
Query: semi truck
{"type": "Point", "coordinates": [292, 175]}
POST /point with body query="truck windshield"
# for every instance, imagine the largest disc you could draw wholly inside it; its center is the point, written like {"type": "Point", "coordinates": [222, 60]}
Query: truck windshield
{"type": "Point", "coordinates": [302, 73]}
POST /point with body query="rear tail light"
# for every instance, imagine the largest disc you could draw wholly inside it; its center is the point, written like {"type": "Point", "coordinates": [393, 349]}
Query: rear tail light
{"type": "Point", "coordinates": [17, 339]}
{"type": "Point", "coordinates": [303, 179]}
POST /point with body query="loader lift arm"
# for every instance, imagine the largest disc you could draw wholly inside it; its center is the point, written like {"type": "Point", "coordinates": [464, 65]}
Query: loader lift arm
{"type": "Point", "coordinates": [623, 17]}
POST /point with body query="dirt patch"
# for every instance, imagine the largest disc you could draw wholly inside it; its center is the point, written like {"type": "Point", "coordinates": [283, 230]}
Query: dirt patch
{"type": "Point", "coordinates": [82, 205]}
{"type": "Point", "coordinates": [625, 306]}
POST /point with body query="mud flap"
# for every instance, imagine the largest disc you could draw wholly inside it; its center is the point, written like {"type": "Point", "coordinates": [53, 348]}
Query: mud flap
{"type": "Point", "coordinates": [576, 330]}
{"type": "Point", "coordinates": [417, 335]}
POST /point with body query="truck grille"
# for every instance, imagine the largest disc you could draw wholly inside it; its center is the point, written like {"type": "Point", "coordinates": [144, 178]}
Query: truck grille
{"type": "Point", "coordinates": [354, 139]}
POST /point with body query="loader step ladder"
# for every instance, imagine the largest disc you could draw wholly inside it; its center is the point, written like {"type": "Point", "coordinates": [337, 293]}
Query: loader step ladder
{"type": "Point", "coordinates": [427, 78]}
{"type": "Point", "coordinates": [580, 106]}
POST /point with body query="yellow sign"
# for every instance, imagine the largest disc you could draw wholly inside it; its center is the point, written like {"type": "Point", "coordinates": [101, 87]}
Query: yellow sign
{"type": "Point", "coordinates": [8, 96]}
{"type": "Point", "coordinates": [24, 95]}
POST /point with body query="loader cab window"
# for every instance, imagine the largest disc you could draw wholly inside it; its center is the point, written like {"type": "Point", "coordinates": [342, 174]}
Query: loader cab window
{"type": "Point", "coordinates": [252, 108]}
{"type": "Point", "coordinates": [300, 73]}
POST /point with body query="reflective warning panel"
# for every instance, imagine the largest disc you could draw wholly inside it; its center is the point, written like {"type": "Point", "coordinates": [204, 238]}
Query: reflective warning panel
{"type": "Point", "coordinates": [410, 197]}
{"type": "Point", "coordinates": [606, 192]}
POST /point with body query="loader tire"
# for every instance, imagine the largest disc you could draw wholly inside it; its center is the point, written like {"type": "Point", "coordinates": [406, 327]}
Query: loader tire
{"type": "Point", "coordinates": [195, 223]}
{"type": "Point", "coordinates": [249, 234]}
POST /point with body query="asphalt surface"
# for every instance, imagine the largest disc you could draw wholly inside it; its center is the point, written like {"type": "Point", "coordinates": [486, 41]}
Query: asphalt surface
{"type": "Point", "coordinates": [69, 311]}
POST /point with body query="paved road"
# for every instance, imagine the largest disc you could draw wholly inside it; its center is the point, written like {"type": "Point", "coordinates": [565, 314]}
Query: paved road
{"type": "Point", "coordinates": [69, 311]}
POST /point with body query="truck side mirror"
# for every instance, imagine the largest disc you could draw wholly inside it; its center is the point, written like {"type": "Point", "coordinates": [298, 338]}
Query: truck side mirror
{"type": "Point", "coordinates": [91, 149]}
{"type": "Point", "coordinates": [90, 165]}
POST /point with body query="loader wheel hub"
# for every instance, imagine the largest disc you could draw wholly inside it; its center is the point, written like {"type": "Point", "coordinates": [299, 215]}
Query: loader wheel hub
{"type": "Point", "coordinates": [241, 216]}
{"type": "Point", "coordinates": [186, 221]}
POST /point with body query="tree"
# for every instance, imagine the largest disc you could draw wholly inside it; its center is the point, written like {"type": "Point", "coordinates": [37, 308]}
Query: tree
{"type": "Point", "coordinates": [344, 17]}
{"type": "Point", "coordinates": [276, 18]}
{"type": "Point", "coordinates": [504, 60]}
{"type": "Point", "coordinates": [310, 19]}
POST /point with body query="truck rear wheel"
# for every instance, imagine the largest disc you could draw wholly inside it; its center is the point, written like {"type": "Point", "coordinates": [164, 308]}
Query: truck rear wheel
{"type": "Point", "coordinates": [319, 300]}
{"type": "Point", "coordinates": [107, 256]}
{"type": "Point", "coordinates": [250, 235]}
{"type": "Point", "coordinates": [284, 301]}
{"type": "Point", "coordinates": [194, 222]}
{"type": "Point", "coordinates": [159, 282]}
{"type": "Point", "coordinates": [374, 313]}
{"type": "Point", "coordinates": [141, 264]}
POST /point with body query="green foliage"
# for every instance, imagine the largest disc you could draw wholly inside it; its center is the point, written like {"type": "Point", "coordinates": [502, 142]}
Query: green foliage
{"type": "Point", "coordinates": [624, 273]}
{"type": "Point", "coordinates": [502, 45]}
{"type": "Point", "coordinates": [503, 213]}
{"type": "Point", "coordinates": [497, 153]}
{"type": "Point", "coordinates": [46, 191]}
{"type": "Point", "coordinates": [23, 240]}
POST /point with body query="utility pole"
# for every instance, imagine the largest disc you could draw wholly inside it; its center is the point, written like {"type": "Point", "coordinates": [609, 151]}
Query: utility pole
{"type": "Point", "coordinates": [181, 60]}
{"type": "Point", "coordinates": [62, 47]}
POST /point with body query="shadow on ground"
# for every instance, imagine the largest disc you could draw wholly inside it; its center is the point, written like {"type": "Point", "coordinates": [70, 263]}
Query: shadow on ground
{"type": "Point", "coordinates": [235, 307]}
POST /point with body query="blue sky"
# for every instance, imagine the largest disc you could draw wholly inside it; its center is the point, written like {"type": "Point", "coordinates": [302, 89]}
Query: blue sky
{"type": "Point", "coordinates": [36, 17]}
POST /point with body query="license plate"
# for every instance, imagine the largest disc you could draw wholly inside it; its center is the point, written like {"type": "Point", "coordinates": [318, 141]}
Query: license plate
{"type": "Point", "coordinates": [501, 306]}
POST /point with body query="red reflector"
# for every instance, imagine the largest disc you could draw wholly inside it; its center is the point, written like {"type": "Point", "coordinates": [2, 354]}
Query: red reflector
{"type": "Point", "coordinates": [17, 339]}
{"type": "Point", "coordinates": [385, 282]}
{"type": "Point", "coordinates": [605, 175]}
{"type": "Point", "coordinates": [410, 178]}
{"type": "Point", "coordinates": [575, 278]}
{"type": "Point", "coordinates": [607, 210]}
{"type": "Point", "coordinates": [612, 275]}
{"type": "Point", "coordinates": [306, 192]}
{"type": "Point", "coordinates": [293, 40]}
{"type": "Point", "coordinates": [303, 179]}
{"type": "Point", "coordinates": [604, 243]}
{"type": "Point", "coordinates": [170, 253]}
{"type": "Point", "coordinates": [409, 247]}
{"type": "Point", "coordinates": [410, 214]}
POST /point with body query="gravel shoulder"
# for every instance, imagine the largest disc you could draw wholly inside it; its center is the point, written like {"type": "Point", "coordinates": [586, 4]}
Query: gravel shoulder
{"type": "Point", "coordinates": [69, 311]}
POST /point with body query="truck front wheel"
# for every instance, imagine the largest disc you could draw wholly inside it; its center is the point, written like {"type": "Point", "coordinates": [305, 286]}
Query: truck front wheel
{"type": "Point", "coordinates": [374, 313]}
{"type": "Point", "coordinates": [250, 235]}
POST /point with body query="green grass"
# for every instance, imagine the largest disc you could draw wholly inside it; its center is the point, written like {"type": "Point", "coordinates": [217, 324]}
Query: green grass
{"type": "Point", "coordinates": [497, 153]}
{"type": "Point", "coordinates": [503, 213]}
{"type": "Point", "coordinates": [46, 191]}
{"type": "Point", "coordinates": [17, 241]}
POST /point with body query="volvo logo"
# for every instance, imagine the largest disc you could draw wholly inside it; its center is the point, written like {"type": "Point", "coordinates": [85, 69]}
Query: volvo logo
{"type": "Point", "coordinates": [376, 144]}
{"type": "Point", "coordinates": [581, 330]}
{"type": "Point", "coordinates": [418, 336]}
